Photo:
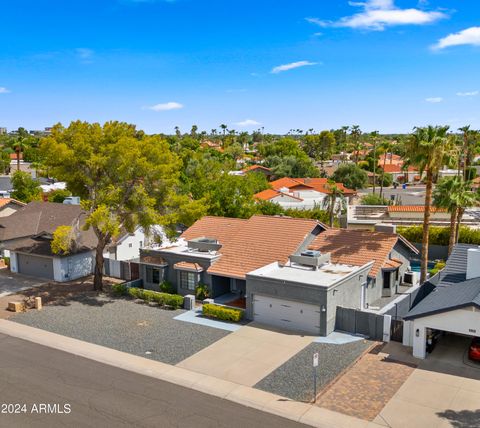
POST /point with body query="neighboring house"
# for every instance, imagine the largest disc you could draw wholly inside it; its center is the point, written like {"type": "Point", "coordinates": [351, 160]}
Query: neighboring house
{"type": "Point", "coordinates": [367, 216]}
{"type": "Point", "coordinates": [127, 245]}
{"type": "Point", "coordinates": [27, 236]}
{"type": "Point", "coordinates": [402, 174]}
{"type": "Point", "coordinates": [286, 272]}
{"type": "Point", "coordinates": [8, 206]}
{"type": "Point", "coordinates": [300, 193]}
{"type": "Point", "coordinates": [259, 168]}
{"type": "Point", "coordinates": [453, 306]}
{"type": "Point", "coordinates": [390, 158]}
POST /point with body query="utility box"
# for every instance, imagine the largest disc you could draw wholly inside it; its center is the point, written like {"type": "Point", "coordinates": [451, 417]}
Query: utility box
{"type": "Point", "coordinates": [209, 301]}
{"type": "Point", "coordinates": [189, 302]}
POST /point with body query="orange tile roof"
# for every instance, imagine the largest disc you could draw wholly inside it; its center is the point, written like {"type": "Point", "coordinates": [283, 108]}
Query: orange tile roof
{"type": "Point", "coordinates": [6, 201]}
{"type": "Point", "coordinates": [392, 264]}
{"type": "Point", "coordinates": [413, 209]}
{"type": "Point", "coordinates": [219, 228]}
{"type": "Point", "coordinates": [318, 184]}
{"type": "Point", "coordinates": [250, 244]}
{"type": "Point", "coordinates": [195, 267]}
{"type": "Point", "coordinates": [13, 156]}
{"type": "Point", "coordinates": [396, 168]}
{"type": "Point", "coordinates": [356, 247]}
{"type": "Point", "coordinates": [266, 195]}
{"type": "Point", "coordinates": [255, 167]}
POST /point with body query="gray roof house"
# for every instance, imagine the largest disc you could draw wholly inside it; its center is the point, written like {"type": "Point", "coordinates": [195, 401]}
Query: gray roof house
{"type": "Point", "coordinates": [26, 235]}
{"type": "Point", "coordinates": [454, 305]}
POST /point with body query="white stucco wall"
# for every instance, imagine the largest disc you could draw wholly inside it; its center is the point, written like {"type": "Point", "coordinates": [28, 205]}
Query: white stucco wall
{"type": "Point", "coordinates": [73, 267]}
{"type": "Point", "coordinates": [13, 262]}
{"type": "Point", "coordinates": [463, 321]}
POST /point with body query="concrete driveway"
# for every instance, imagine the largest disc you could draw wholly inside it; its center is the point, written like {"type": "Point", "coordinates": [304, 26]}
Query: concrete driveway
{"type": "Point", "coordinates": [247, 355]}
{"type": "Point", "coordinates": [11, 283]}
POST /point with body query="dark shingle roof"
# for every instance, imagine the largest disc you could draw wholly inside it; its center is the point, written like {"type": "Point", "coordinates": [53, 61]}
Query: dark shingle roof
{"type": "Point", "coordinates": [453, 291]}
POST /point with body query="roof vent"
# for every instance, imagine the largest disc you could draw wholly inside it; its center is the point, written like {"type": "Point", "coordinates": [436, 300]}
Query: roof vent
{"type": "Point", "coordinates": [204, 244]}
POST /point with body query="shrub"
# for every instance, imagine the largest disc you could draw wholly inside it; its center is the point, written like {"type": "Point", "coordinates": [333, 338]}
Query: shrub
{"type": "Point", "coordinates": [440, 235]}
{"type": "Point", "coordinates": [374, 199]}
{"type": "Point", "coordinates": [167, 287]}
{"type": "Point", "coordinates": [222, 313]}
{"type": "Point", "coordinates": [438, 267]}
{"type": "Point", "coordinates": [120, 289]}
{"type": "Point", "coordinates": [174, 301]}
{"type": "Point", "coordinates": [202, 292]}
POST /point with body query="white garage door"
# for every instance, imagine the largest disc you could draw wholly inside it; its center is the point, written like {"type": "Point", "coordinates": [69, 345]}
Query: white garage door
{"type": "Point", "coordinates": [286, 314]}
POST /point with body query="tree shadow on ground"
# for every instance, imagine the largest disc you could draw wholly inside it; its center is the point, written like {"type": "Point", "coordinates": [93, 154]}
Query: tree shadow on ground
{"type": "Point", "coordinates": [462, 418]}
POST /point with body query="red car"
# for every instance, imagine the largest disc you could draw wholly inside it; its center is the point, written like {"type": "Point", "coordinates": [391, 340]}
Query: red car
{"type": "Point", "coordinates": [474, 350]}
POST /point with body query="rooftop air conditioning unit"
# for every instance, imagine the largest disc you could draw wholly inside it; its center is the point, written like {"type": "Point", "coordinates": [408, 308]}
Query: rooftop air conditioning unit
{"type": "Point", "coordinates": [411, 278]}
{"type": "Point", "coordinates": [204, 244]}
{"type": "Point", "coordinates": [310, 258]}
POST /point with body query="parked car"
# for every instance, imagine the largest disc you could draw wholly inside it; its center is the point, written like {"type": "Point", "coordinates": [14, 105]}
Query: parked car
{"type": "Point", "coordinates": [474, 350]}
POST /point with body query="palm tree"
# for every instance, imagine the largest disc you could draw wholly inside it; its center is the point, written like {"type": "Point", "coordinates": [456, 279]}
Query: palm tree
{"type": "Point", "coordinates": [355, 133]}
{"type": "Point", "coordinates": [426, 148]}
{"type": "Point", "coordinates": [374, 136]}
{"type": "Point", "coordinates": [224, 128]}
{"type": "Point", "coordinates": [387, 146]}
{"type": "Point", "coordinates": [19, 145]}
{"type": "Point", "coordinates": [334, 202]}
{"type": "Point", "coordinates": [466, 198]}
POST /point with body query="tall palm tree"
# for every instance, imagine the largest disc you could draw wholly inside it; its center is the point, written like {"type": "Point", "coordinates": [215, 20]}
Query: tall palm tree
{"type": "Point", "coordinates": [224, 128]}
{"type": "Point", "coordinates": [19, 145]}
{"type": "Point", "coordinates": [374, 136]}
{"type": "Point", "coordinates": [455, 195]}
{"type": "Point", "coordinates": [387, 146]}
{"type": "Point", "coordinates": [355, 133]}
{"type": "Point", "coordinates": [334, 202]}
{"type": "Point", "coordinates": [426, 148]}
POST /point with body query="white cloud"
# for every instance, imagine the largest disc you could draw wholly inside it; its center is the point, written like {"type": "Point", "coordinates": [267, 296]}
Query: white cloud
{"type": "Point", "coordinates": [85, 55]}
{"type": "Point", "coordinates": [4, 90]}
{"type": "Point", "coordinates": [378, 14]}
{"type": "Point", "coordinates": [434, 100]}
{"type": "Point", "coordinates": [468, 94]}
{"type": "Point", "coordinates": [248, 122]}
{"type": "Point", "coordinates": [469, 36]}
{"type": "Point", "coordinates": [165, 106]}
{"type": "Point", "coordinates": [291, 66]}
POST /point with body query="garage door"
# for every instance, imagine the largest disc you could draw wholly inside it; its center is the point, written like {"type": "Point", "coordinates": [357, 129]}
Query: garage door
{"type": "Point", "coordinates": [41, 267]}
{"type": "Point", "coordinates": [286, 314]}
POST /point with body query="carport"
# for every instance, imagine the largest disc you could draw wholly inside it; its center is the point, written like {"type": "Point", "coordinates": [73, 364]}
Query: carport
{"type": "Point", "coordinates": [450, 311]}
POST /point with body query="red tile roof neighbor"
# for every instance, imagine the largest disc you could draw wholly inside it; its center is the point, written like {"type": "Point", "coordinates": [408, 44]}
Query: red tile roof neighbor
{"type": "Point", "coordinates": [256, 168]}
{"type": "Point", "coordinates": [250, 244]}
{"type": "Point", "coordinates": [413, 209]}
{"type": "Point", "coordinates": [392, 264]}
{"type": "Point", "coordinates": [268, 194]}
{"type": "Point", "coordinates": [318, 184]}
{"type": "Point", "coordinates": [356, 247]}
{"type": "Point", "coordinates": [6, 201]}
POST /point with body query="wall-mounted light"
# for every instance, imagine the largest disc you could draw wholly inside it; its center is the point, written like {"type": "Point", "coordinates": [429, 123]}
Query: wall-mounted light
{"type": "Point", "coordinates": [417, 332]}
{"type": "Point", "coordinates": [323, 309]}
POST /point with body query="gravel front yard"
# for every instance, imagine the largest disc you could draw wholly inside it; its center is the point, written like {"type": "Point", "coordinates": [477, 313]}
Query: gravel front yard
{"type": "Point", "coordinates": [294, 379]}
{"type": "Point", "coordinates": [124, 325]}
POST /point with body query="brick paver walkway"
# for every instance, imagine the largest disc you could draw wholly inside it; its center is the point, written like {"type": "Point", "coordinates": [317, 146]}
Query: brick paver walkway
{"type": "Point", "coordinates": [364, 389]}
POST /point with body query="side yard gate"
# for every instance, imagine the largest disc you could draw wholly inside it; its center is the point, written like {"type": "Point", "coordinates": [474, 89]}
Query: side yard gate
{"type": "Point", "coordinates": [359, 322]}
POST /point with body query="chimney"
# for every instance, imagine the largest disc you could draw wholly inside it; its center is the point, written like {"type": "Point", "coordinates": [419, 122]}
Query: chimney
{"type": "Point", "coordinates": [473, 263]}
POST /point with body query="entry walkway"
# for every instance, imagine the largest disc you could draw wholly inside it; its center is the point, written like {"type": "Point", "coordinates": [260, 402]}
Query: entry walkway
{"type": "Point", "coordinates": [247, 355]}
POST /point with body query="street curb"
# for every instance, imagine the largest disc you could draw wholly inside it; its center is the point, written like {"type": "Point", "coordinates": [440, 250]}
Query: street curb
{"type": "Point", "coordinates": [240, 394]}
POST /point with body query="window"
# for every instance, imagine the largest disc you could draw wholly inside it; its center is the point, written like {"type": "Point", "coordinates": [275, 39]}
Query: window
{"type": "Point", "coordinates": [130, 245]}
{"type": "Point", "coordinates": [187, 280]}
{"type": "Point", "coordinates": [141, 244]}
{"type": "Point", "coordinates": [153, 275]}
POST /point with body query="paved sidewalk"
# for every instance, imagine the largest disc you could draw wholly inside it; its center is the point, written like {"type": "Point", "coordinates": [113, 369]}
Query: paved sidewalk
{"type": "Point", "coordinates": [270, 403]}
{"type": "Point", "coordinates": [247, 355]}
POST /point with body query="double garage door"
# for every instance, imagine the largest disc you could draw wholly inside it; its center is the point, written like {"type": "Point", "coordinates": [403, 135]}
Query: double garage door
{"type": "Point", "coordinates": [41, 267]}
{"type": "Point", "coordinates": [286, 314]}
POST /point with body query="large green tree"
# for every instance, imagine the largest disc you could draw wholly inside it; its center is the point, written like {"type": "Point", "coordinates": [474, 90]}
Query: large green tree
{"type": "Point", "coordinates": [25, 188]}
{"type": "Point", "coordinates": [123, 177]}
{"type": "Point", "coordinates": [426, 149]}
{"type": "Point", "coordinates": [351, 175]}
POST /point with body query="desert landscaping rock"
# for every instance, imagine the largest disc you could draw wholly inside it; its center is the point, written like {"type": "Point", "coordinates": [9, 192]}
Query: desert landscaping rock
{"type": "Point", "coordinates": [121, 324]}
{"type": "Point", "coordinates": [294, 379]}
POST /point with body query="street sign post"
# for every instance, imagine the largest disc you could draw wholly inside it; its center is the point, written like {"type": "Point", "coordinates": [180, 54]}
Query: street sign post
{"type": "Point", "coordinates": [315, 365]}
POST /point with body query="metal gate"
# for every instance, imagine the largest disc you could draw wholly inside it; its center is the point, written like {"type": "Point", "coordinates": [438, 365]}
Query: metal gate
{"type": "Point", "coordinates": [396, 330]}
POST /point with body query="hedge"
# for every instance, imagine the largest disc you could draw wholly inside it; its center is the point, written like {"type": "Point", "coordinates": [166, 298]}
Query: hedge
{"type": "Point", "coordinates": [120, 289]}
{"type": "Point", "coordinates": [222, 313]}
{"type": "Point", "coordinates": [163, 299]}
{"type": "Point", "coordinates": [440, 235]}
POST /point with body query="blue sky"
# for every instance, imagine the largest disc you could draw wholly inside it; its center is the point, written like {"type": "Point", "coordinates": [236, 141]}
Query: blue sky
{"type": "Point", "coordinates": [385, 65]}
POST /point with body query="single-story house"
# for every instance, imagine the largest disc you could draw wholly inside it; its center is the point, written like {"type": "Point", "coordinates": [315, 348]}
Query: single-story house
{"type": "Point", "coordinates": [452, 307]}
{"type": "Point", "coordinates": [300, 193]}
{"type": "Point", "coordinates": [286, 272]}
{"type": "Point", "coordinates": [27, 235]}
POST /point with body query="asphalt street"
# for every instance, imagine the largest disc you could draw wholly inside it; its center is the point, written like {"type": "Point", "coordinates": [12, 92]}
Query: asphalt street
{"type": "Point", "coordinates": [51, 388]}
